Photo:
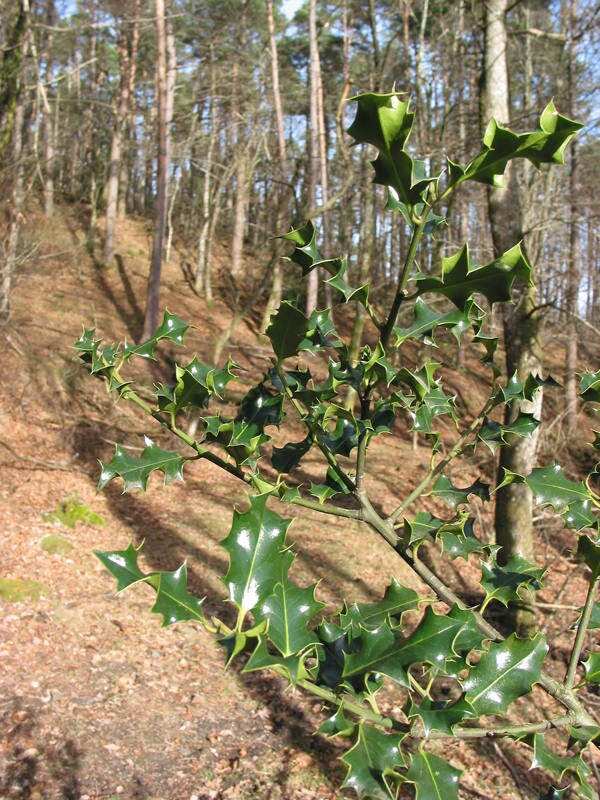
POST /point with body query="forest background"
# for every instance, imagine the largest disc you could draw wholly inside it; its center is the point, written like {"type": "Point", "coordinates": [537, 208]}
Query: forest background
{"type": "Point", "coordinates": [218, 124]}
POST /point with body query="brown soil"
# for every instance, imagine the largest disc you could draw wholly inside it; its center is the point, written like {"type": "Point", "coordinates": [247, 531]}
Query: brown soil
{"type": "Point", "coordinates": [97, 699]}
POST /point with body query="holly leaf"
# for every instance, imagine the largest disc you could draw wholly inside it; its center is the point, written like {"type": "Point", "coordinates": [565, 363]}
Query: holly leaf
{"type": "Point", "coordinates": [494, 434]}
{"type": "Point", "coordinates": [550, 486]}
{"type": "Point", "coordinates": [287, 329]}
{"type": "Point", "coordinates": [580, 515]}
{"type": "Point", "coordinates": [426, 321]}
{"type": "Point", "coordinates": [384, 120]}
{"type": "Point", "coordinates": [287, 458]}
{"type": "Point", "coordinates": [558, 765]}
{"type": "Point", "coordinates": [384, 651]}
{"type": "Point", "coordinates": [517, 389]}
{"type": "Point", "coordinates": [122, 565]}
{"type": "Point", "coordinates": [288, 611]}
{"type": "Point", "coordinates": [396, 602]}
{"type": "Point", "coordinates": [372, 763]}
{"type": "Point", "coordinates": [589, 552]}
{"type": "Point", "coordinates": [338, 282]}
{"type": "Point", "coordinates": [594, 622]}
{"type": "Point", "coordinates": [433, 777]}
{"type": "Point", "coordinates": [337, 725]}
{"type": "Point", "coordinates": [440, 716]}
{"type": "Point", "coordinates": [506, 671]}
{"type": "Point", "coordinates": [583, 735]}
{"type": "Point", "coordinates": [257, 555]}
{"type": "Point", "coordinates": [454, 496]}
{"type": "Point", "coordinates": [502, 583]}
{"type": "Point", "coordinates": [458, 539]}
{"type": "Point", "coordinates": [545, 145]}
{"type": "Point", "coordinates": [423, 527]}
{"type": "Point", "coordinates": [171, 328]}
{"type": "Point", "coordinates": [589, 386]}
{"type": "Point", "coordinates": [261, 659]}
{"type": "Point", "coordinates": [196, 384]}
{"type": "Point", "coordinates": [592, 668]}
{"type": "Point", "coordinates": [135, 471]}
{"type": "Point", "coordinates": [461, 279]}
{"type": "Point", "coordinates": [173, 601]}
{"type": "Point", "coordinates": [305, 253]}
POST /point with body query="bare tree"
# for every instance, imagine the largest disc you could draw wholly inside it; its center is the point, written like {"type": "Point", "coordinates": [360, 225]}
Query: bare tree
{"type": "Point", "coordinates": [165, 57]}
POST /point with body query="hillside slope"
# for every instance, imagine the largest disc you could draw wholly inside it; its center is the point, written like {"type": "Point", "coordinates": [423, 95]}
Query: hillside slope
{"type": "Point", "coordinates": [97, 699]}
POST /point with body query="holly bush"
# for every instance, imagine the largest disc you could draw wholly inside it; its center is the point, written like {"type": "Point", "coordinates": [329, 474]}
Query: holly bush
{"type": "Point", "coordinates": [346, 657]}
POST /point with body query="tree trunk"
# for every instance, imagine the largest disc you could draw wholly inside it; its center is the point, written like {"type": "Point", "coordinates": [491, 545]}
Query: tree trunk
{"type": "Point", "coordinates": [114, 167]}
{"type": "Point", "coordinates": [164, 42]}
{"type": "Point", "coordinates": [574, 255]}
{"type": "Point", "coordinates": [513, 513]}
{"type": "Point", "coordinates": [312, 284]}
{"type": "Point", "coordinates": [274, 298]}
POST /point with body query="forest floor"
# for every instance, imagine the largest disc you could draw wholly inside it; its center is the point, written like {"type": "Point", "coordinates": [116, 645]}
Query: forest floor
{"type": "Point", "coordinates": [97, 700]}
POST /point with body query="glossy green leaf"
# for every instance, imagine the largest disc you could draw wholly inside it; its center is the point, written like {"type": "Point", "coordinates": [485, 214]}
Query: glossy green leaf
{"type": "Point", "coordinates": [173, 601]}
{"type": "Point", "coordinates": [135, 471]}
{"type": "Point", "coordinates": [589, 552]}
{"type": "Point", "coordinates": [580, 515]}
{"type": "Point", "coordinates": [261, 659]}
{"type": "Point", "coordinates": [338, 282]}
{"type": "Point", "coordinates": [506, 671]}
{"type": "Point", "coordinates": [558, 765]}
{"type": "Point", "coordinates": [396, 602]}
{"type": "Point", "coordinates": [257, 555]}
{"type": "Point", "coordinates": [337, 725]}
{"type": "Point", "coordinates": [589, 386]}
{"type": "Point", "coordinates": [305, 253]}
{"type": "Point", "coordinates": [434, 778]}
{"type": "Point", "coordinates": [546, 144]}
{"type": "Point", "coordinates": [440, 716]}
{"type": "Point", "coordinates": [384, 120]}
{"type": "Point", "coordinates": [550, 485]}
{"type": "Point", "coordinates": [444, 488]}
{"type": "Point", "coordinates": [458, 539]}
{"type": "Point", "coordinates": [502, 583]}
{"type": "Point", "coordinates": [592, 668]}
{"type": "Point", "coordinates": [461, 279]}
{"type": "Point", "coordinates": [122, 565]}
{"type": "Point", "coordinates": [383, 651]}
{"type": "Point", "coordinates": [555, 794]}
{"type": "Point", "coordinates": [287, 458]}
{"type": "Point", "coordinates": [288, 611]}
{"type": "Point", "coordinates": [594, 622]}
{"type": "Point", "coordinates": [287, 330]}
{"type": "Point", "coordinates": [583, 735]}
{"type": "Point", "coordinates": [423, 527]}
{"type": "Point", "coordinates": [172, 328]}
{"type": "Point", "coordinates": [494, 434]}
{"type": "Point", "coordinates": [196, 383]}
{"type": "Point", "coordinates": [427, 320]}
{"type": "Point", "coordinates": [373, 762]}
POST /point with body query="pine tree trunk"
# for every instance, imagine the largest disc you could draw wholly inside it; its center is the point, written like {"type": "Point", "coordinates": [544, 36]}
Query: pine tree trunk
{"type": "Point", "coordinates": [513, 513]}
{"type": "Point", "coordinates": [164, 42]}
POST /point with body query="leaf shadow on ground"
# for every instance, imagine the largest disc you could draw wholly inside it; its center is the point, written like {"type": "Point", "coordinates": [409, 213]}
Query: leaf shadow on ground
{"type": "Point", "coordinates": [195, 537]}
{"type": "Point", "coordinates": [30, 760]}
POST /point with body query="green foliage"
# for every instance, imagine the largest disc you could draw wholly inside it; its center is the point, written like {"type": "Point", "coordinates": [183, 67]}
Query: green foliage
{"type": "Point", "coordinates": [72, 511]}
{"type": "Point", "coordinates": [451, 667]}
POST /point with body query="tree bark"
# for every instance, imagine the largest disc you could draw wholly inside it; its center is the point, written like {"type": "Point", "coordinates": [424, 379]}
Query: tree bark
{"type": "Point", "coordinates": [513, 513]}
{"type": "Point", "coordinates": [312, 284]}
{"type": "Point", "coordinates": [164, 42]}
{"type": "Point", "coordinates": [574, 255]}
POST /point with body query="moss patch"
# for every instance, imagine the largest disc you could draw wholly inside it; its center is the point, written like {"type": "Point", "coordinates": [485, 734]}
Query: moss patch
{"type": "Point", "coordinates": [56, 545]}
{"type": "Point", "coordinates": [16, 590]}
